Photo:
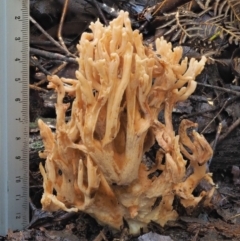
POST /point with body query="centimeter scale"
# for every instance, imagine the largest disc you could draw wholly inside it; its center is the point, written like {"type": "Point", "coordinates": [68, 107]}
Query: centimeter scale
{"type": "Point", "coordinates": [14, 116]}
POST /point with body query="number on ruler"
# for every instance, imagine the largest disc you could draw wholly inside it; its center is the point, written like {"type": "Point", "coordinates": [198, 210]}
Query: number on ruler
{"type": "Point", "coordinates": [18, 197]}
{"type": "Point", "coordinates": [18, 179]}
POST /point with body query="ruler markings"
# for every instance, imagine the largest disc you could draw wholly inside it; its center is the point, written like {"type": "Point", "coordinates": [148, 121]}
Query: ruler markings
{"type": "Point", "coordinates": [14, 184]}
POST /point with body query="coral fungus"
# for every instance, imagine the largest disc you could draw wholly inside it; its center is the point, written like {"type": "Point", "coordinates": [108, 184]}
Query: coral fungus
{"type": "Point", "coordinates": [94, 162]}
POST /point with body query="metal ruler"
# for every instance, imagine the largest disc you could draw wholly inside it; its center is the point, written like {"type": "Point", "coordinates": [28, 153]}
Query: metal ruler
{"type": "Point", "coordinates": [14, 117]}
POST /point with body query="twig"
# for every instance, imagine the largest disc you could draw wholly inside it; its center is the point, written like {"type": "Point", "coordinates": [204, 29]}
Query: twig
{"type": "Point", "coordinates": [61, 24]}
{"type": "Point", "coordinates": [49, 37]}
{"type": "Point", "coordinates": [180, 25]}
{"type": "Point", "coordinates": [36, 186]}
{"type": "Point", "coordinates": [38, 65]}
{"type": "Point", "coordinates": [163, 8]}
{"type": "Point", "coordinates": [51, 55]}
{"type": "Point", "coordinates": [34, 87]}
{"type": "Point", "coordinates": [198, 113]}
{"type": "Point", "coordinates": [214, 144]}
{"type": "Point", "coordinates": [101, 236]}
{"type": "Point", "coordinates": [220, 88]}
{"type": "Point", "coordinates": [219, 139]}
{"type": "Point", "coordinates": [100, 12]}
{"type": "Point", "coordinates": [210, 122]}
{"type": "Point", "coordinates": [143, 26]}
{"type": "Point", "coordinates": [228, 102]}
{"type": "Point", "coordinates": [45, 43]}
{"type": "Point", "coordinates": [235, 216]}
{"type": "Point", "coordinates": [57, 69]}
{"type": "Point", "coordinates": [195, 236]}
{"type": "Point", "coordinates": [168, 6]}
{"type": "Point", "coordinates": [230, 129]}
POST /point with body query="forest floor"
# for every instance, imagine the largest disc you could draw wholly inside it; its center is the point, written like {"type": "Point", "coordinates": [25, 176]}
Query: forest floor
{"type": "Point", "coordinates": [222, 220]}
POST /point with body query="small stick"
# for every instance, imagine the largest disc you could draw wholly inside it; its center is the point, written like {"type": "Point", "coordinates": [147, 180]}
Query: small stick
{"type": "Point", "coordinates": [143, 26]}
{"type": "Point", "coordinates": [101, 236]}
{"type": "Point", "coordinates": [51, 55]}
{"type": "Point", "coordinates": [210, 122]}
{"type": "Point", "coordinates": [55, 71]}
{"type": "Point", "coordinates": [214, 144]}
{"type": "Point", "coordinates": [163, 8]}
{"type": "Point", "coordinates": [220, 88]}
{"type": "Point", "coordinates": [34, 87]}
{"type": "Point", "coordinates": [195, 236]}
{"type": "Point", "coordinates": [167, 6]}
{"type": "Point", "coordinates": [38, 65]}
{"type": "Point", "coordinates": [235, 216]}
{"type": "Point", "coordinates": [45, 43]}
{"type": "Point", "coordinates": [100, 12]}
{"type": "Point", "coordinates": [198, 113]}
{"type": "Point", "coordinates": [49, 37]}
{"type": "Point", "coordinates": [230, 129]}
{"type": "Point", "coordinates": [228, 102]}
{"type": "Point", "coordinates": [61, 24]}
